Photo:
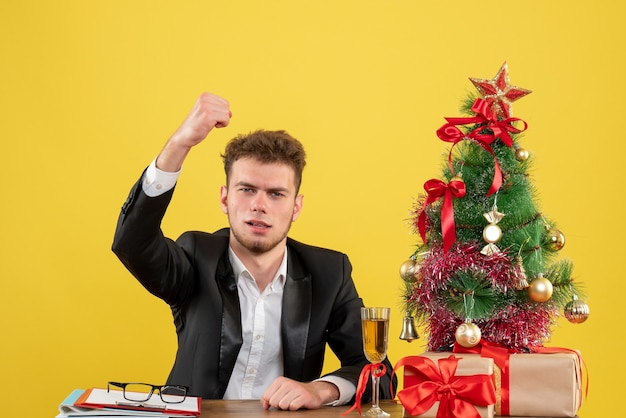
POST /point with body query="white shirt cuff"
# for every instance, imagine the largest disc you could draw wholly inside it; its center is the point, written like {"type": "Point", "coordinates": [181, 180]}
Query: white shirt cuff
{"type": "Point", "coordinates": [156, 182]}
{"type": "Point", "coordinates": [346, 389]}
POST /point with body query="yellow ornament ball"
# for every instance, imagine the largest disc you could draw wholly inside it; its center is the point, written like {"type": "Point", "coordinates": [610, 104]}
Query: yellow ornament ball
{"type": "Point", "coordinates": [468, 335]}
{"type": "Point", "coordinates": [521, 154]}
{"type": "Point", "coordinates": [555, 240]}
{"type": "Point", "coordinates": [408, 270]}
{"type": "Point", "coordinates": [540, 289]}
{"type": "Point", "coordinates": [576, 311]}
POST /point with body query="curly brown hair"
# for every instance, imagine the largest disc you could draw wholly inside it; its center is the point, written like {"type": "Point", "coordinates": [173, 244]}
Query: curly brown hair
{"type": "Point", "coordinates": [266, 147]}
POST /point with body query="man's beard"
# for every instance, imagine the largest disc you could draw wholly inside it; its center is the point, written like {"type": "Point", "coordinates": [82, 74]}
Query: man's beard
{"type": "Point", "coordinates": [259, 246]}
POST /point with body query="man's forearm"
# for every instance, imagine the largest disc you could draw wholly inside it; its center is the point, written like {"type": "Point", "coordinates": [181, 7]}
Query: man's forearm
{"type": "Point", "coordinates": [172, 156]}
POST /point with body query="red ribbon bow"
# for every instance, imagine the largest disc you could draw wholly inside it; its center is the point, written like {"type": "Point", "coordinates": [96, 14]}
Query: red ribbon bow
{"type": "Point", "coordinates": [435, 189]}
{"type": "Point", "coordinates": [490, 128]}
{"type": "Point", "coordinates": [457, 395]}
{"type": "Point", "coordinates": [377, 370]}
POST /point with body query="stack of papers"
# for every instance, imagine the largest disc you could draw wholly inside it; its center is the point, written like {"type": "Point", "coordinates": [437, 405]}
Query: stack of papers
{"type": "Point", "coordinates": [102, 403]}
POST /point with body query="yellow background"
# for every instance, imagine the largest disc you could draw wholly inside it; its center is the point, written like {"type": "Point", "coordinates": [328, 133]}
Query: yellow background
{"type": "Point", "coordinates": [90, 90]}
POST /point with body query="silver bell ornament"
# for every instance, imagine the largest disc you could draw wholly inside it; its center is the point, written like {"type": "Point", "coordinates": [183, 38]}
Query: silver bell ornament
{"type": "Point", "coordinates": [409, 331]}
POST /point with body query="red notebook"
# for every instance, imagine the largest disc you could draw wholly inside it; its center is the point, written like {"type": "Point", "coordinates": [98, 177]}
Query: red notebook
{"type": "Point", "coordinates": [102, 399]}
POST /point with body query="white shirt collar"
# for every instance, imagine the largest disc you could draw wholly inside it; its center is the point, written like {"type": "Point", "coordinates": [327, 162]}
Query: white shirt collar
{"type": "Point", "coordinates": [240, 269]}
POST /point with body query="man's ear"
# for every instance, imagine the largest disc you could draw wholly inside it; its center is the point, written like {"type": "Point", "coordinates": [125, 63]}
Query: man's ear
{"type": "Point", "coordinates": [224, 199]}
{"type": "Point", "coordinates": [297, 207]}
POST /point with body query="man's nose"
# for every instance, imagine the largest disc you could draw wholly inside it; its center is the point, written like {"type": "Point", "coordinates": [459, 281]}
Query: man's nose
{"type": "Point", "coordinates": [259, 203]}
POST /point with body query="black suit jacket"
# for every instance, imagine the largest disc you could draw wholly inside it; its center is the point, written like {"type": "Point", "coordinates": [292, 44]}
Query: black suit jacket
{"type": "Point", "coordinates": [193, 275]}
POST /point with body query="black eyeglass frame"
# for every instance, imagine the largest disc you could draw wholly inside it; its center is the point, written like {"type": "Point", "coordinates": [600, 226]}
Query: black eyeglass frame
{"type": "Point", "coordinates": [159, 388]}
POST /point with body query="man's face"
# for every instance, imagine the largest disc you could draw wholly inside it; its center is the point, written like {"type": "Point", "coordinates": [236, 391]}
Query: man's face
{"type": "Point", "coordinates": [261, 203]}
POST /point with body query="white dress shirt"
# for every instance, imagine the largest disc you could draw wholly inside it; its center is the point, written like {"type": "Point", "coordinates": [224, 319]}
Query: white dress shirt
{"type": "Point", "coordinates": [260, 359]}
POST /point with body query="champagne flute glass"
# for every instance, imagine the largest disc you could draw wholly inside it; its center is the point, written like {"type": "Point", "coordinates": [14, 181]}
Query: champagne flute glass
{"type": "Point", "coordinates": [375, 325]}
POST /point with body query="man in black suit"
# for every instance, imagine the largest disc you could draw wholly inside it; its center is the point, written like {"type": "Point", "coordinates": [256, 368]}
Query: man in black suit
{"type": "Point", "coordinates": [253, 308]}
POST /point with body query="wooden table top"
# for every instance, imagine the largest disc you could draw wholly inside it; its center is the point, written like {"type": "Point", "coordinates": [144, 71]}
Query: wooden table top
{"type": "Point", "coordinates": [253, 408]}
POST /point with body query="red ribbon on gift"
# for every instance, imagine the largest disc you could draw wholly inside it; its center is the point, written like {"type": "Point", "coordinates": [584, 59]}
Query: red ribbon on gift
{"type": "Point", "coordinates": [500, 355]}
{"type": "Point", "coordinates": [377, 370]}
{"type": "Point", "coordinates": [490, 128]}
{"type": "Point", "coordinates": [457, 395]}
{"type": "Point", "coordinates": [435, 189]}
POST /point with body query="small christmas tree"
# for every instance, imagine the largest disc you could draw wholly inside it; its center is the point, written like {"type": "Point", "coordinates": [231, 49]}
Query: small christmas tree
{"type": "Point", "coordinates": [487, 266]}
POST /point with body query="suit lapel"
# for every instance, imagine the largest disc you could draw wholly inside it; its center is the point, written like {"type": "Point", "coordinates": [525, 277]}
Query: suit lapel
{"type": "Point", "coordinates": [231, 339]}
{"type": "Point", "coordinates": [296, 317]}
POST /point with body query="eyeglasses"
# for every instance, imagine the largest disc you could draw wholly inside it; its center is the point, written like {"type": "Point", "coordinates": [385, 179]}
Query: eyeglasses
{"type": "Point", "coordinates": [141, 392]}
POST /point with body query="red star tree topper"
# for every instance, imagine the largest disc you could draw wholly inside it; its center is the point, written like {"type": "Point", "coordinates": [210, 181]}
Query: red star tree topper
{"type": "Point", "coordinates": [499, 91]}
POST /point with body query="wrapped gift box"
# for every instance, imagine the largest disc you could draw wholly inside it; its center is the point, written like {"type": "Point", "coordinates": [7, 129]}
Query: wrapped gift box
{"type": "Point", "coordinates": [544, 385]}
{"type": "Point", "coordinates": [539, 384]}
{"type": "Point", "coordinates": [467, 366]}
